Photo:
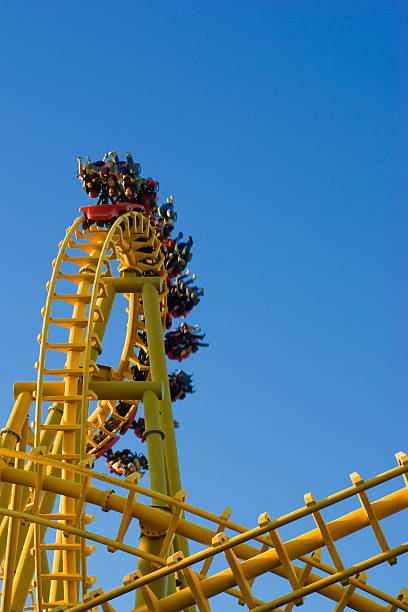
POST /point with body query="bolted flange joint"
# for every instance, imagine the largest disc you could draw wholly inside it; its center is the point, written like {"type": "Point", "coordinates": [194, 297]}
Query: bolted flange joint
{"type": "Point", "coordinates": [105, 500]}
{"type": "Point", "coordinates": [150, 531]}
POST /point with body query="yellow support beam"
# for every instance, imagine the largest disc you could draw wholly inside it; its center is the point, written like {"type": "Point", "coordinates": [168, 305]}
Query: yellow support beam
{"type": "Point", "coordinates": [372, 517]}
{"type": "Point", "coordinates": [102, 390]}
{"type": "Point", "coordinates": [280, 548]}
{"type": "Point", "coordinates": [13, 531]}
{"type": "Point", "coordinates": [192, 581]}
{"type": "Point", "coordinates": [348, 592]}
{"type": "Point", "coordinates": [51, 473]}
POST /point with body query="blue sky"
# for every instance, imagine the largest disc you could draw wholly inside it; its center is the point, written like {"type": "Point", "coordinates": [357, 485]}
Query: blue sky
{"type": "Point", "coordinates": [278, 126]}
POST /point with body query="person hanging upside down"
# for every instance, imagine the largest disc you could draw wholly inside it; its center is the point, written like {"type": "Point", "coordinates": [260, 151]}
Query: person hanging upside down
{"type": "Point", "coordinates": [125, 462]}
{"type": "Point", "coordinates": [180, 384]}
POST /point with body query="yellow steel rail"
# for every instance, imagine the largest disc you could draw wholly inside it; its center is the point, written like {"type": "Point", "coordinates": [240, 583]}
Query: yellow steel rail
{"type": "Point", "coordinates": [133, 242]}
{"type": "Point", "coordinates": [267, 561]}
{"type": "Point", "coordinates": [59, 468]}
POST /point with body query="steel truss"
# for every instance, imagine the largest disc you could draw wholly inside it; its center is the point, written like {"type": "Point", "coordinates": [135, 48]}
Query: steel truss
{"type": "Point", "coordinates": [51, 486]}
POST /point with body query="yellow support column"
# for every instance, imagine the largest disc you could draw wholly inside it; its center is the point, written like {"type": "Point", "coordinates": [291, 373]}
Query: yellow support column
{"type": "Point", "coordinates": [25, 568]}
{"type": "Point", "coordinates": [157, 473]}
{"type": "Point", "coordinates": [10, 435]}
{"type": "Point", "coordinates": [157, 358]}
{"type": "Point", "coordinates": [14, 525]}
{"type": "Point", "coordinates": [47, 438]}
{"type": "Point", "coordinates": [158, 366]}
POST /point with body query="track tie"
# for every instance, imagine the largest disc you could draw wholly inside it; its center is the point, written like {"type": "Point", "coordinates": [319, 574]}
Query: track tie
{"type": "Point", "coordinates": [75, 322]}
{"type": "Point", "coordinates": [57, 546]}
{"type": "Point", "coordinates": [66, 347]}
{"type": "Point", "coordinates": [60, 605]}
{"type": "Point", "coordinates": [93, 237]}
{"type": "Point", "coordinates": [66, 398]}
{"type": "Point", "coordinates": [73, 298]}
{"type": "Point", "coordinates": [64, 456]}
{"type": "Point", "coordinates": [77, 278]}
{"type": "Point", "coordinates": [66, 427]}
{"type": "Point", "coordinates": [60, 516]}
{"type": "Point", "coordinates": [81, 260]}
{"type": "Point", "coordinates": [60, 576]}
{"type": "Point", "coordinates": [84, 247]}
{"type": "Point", "coordinates": [70, 371]}
{"type": "Point", "coordinates": [91, 395]}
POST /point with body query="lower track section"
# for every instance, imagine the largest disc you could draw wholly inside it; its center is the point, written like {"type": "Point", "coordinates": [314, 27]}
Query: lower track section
{"type": "Point", "coordinates": [50, 490]}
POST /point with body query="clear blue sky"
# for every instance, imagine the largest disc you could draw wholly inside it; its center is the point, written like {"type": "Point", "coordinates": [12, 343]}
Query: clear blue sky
{"type": "Point", "coordinates": [278, 126]}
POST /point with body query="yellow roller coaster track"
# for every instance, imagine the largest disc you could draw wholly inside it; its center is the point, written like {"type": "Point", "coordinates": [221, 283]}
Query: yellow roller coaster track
{"type": "Point", "coordinates": [49, 487]}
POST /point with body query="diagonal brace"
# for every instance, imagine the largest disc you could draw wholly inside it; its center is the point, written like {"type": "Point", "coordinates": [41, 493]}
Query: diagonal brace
{"type": "Point", "coordinates": [327, 537]}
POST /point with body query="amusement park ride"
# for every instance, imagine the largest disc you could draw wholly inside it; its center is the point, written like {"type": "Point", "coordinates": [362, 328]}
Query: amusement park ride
{"type": "Point", "coordinates": [79, 407]}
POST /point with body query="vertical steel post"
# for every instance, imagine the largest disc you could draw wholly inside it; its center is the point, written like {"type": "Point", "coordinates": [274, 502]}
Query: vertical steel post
{"type": "Point", "coordinates": [47, 438]}
{"type": "Point", "coordinates": [14, 525]}
{"type": "Point", "coordinates": [25, 568]}
{"type": "Point", "coordinates": [157, 473]}
{"type": "Point", "coordinates": [10, 436]}
{"type": "Point", "coordinates": [157, 358]}
{"type": "Point", "coordinates": [158, 366]}
{"type": "Point", "coordinates": [154, 441]}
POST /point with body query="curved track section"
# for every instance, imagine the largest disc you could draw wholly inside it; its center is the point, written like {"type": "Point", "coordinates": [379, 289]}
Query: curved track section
{"type": "Point", "coordinates": [86, 259]}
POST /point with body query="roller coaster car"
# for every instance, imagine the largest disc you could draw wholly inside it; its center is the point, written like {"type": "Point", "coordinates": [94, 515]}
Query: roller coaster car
{"type": "Point", "coordinates": [106, 447]}
{"type": "Point", "coordinates": [129, 423]}
{"type": "Point", "coordinates": [105, 212]}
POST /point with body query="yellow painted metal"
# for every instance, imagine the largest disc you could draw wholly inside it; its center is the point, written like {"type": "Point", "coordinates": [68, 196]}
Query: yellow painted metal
{"type": "Point", "coordinates": [401, 470]}
{"type": "Point", "coordinates": [154, 441]}
{"type": "Point", "coordinates": [337, 577]}
{"type": "Point", "coordinates": [85, 334]}
{"type": "Point", "coordinates": [157, 471]}
{"type": "Point", "coordinates": [47, 439]}
{"type": "Point", "coordinates": [60, 472]}
{"type": "Point", "coordinates": [11, 435]}
{"type": "Point", "coordinates": [387, 506]}
{"type": "Point", "coordinates": [40, 520]}
{"type": "Point", "coordinates": [158, 366]}
{"type": "Point", "coordinates": [217, 584]}
{"type": "Point", "coordinates": [26, 565]}
{"type": "Point", "coordinates": [268, 561]}
{"type": "Point", "coordinates": [13, 529]}
{"type": "Point", "coordinates": [133, 390]}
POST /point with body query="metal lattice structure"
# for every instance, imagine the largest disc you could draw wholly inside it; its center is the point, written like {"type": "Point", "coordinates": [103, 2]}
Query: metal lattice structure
{"type": "Point", "coordinates": [48, 482]}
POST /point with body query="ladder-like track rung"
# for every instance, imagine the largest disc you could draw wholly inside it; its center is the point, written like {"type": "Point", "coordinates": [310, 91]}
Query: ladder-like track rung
{"type": "Point", "coordinates": [57, 546]}
{"type": "Point", "coordinates": [66, 427]}
{"type": "Point", "coordinates": [72, 298]}
{"type": "Point", "coordinates": [61, 576]}
{"type": "Point", "coordinates": [60, 546]}
{"type": "Point", "coordinates": [85, 247]}
{"type": "Point", "coordinates": [62, 399]}
{"type": "Point", "coordinates": [81, 260]}
{"type": "Point", "coordinates": [58, 516]}
{"type": "Point", "coordinates": [66, 347]}
{"type": "Point", "coordinates": [75, 322]}
{"type": "Point", "coordinates": [71, 371]}
{"type": "Point", "coordinates": [64, 456]}
{"type": "Point", "coordinates": [57, 604]}
{"type": "Point", "coordinates": [69, 398]}
{"type": "Point", "coordinates": [77, 278]}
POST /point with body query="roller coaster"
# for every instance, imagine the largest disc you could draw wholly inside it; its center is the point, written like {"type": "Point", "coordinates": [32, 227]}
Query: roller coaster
{"type": "Point", "coordinates": [80, 408]}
